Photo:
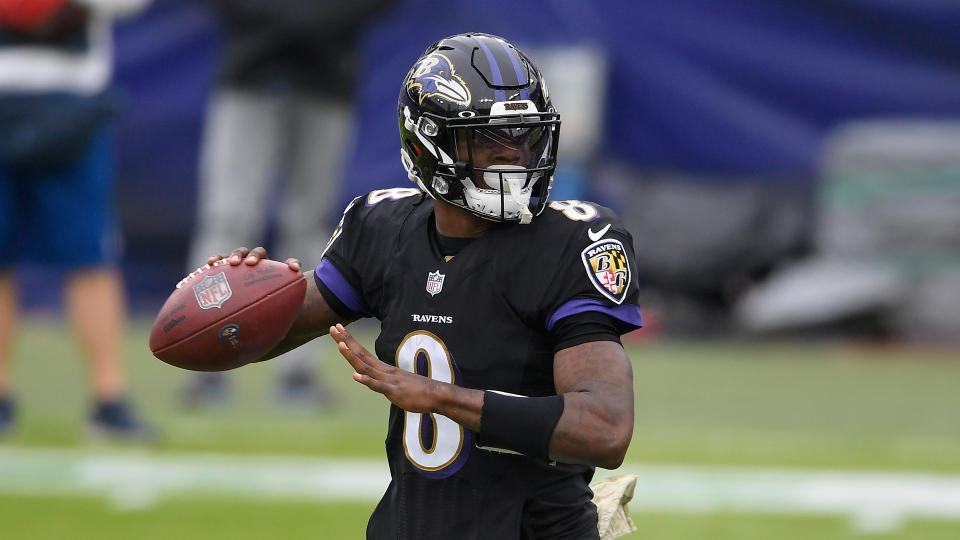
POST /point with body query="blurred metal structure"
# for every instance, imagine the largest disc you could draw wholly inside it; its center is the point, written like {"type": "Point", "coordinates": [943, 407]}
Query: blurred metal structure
{"type": "Point", "coordinates": [887, 239]}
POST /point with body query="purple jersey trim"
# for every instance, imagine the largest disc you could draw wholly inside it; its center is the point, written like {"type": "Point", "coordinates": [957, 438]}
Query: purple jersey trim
{"type": "Point", "coordinates": [628, 313]}
{"type": "Point", "coordinates": [338, 285]}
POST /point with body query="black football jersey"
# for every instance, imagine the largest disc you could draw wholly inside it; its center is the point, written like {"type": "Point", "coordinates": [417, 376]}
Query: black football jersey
{"type": "Point", "coordinates": [480, 319]}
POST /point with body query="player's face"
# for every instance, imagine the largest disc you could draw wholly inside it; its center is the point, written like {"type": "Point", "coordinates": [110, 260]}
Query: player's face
{"type": "Point", "coordinates": [492, 148]}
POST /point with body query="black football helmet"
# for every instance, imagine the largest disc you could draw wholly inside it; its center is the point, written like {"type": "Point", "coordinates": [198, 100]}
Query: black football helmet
{"type": "Point", "coordinates": [477, 128]}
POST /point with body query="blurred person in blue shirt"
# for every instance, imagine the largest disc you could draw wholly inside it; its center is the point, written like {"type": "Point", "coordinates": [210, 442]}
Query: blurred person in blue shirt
{"type": "Point", "coordinates": [56, 186]}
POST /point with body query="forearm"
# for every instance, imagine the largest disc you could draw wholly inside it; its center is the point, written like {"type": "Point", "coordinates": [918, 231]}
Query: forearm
{"type": "Point", "coordinates": [313, 320]}
{"type": "Point", "coordinates": [592, 430]}
{"type": "Point", "coordinates": [590, 422]}
{"type": "Point", "coordinates": [575, 427]}
{"type": "Point", "coordinates": [596, 381]}
{"type": "Point", "coordinates": [575, 441]}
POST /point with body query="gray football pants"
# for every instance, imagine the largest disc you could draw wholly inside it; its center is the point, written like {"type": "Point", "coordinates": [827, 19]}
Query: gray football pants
{"type": "Point", "coordinates": [265, 148]}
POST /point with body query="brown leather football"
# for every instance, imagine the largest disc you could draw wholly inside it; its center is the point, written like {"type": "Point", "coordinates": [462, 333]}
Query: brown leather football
{"type": "Point", "coordinates": [221, 317]}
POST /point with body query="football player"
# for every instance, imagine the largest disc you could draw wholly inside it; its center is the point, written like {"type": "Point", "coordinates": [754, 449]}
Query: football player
{"type": "Point", "coordinates": [501, 312]}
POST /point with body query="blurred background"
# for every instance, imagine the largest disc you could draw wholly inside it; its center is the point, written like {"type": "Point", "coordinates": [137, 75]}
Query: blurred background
{"type": "Point", "coordinates": [789, 169]}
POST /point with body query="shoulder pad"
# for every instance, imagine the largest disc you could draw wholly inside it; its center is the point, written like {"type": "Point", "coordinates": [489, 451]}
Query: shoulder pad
{"type": "Point", "coordinates": [586, 219]}
{"type": "Point", "coordinates": [594, 244]}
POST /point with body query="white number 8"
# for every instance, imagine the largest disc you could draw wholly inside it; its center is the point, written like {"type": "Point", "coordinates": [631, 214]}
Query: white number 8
{"type": "Point", "coordinates": [575, 210]}
{"type": "Point", "coordinates": [447, 443]}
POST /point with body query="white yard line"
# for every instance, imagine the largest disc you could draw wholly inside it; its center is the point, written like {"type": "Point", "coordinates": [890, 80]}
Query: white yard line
{"type": "Point", "coordinates": [877, 501]}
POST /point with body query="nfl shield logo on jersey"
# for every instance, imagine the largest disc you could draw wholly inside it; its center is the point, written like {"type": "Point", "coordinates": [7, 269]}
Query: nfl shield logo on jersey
{"type": "Point", "coordinates": [213, 291]}
{"type": "Point", "coordinates": [608, 268]}
{"type": "Point", "coordinates": [434, 282]}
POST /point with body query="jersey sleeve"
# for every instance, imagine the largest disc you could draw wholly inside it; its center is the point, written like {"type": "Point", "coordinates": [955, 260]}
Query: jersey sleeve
{"type": "Point", "coordinates": [350, 273]}
{"type": "Point", "coordinates": [595, 272]}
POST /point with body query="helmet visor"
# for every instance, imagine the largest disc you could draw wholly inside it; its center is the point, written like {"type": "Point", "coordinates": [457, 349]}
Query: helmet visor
{"type": "Point", "coordinates": [485, 147]}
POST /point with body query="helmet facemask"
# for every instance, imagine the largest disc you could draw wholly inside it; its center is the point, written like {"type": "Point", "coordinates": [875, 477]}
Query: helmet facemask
{"type": "Point", "coordinates": [498, 167]}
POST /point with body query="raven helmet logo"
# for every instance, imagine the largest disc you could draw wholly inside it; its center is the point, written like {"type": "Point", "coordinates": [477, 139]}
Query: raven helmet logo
{"type": "Point", "coordinates": [434, 76]}
{"type": "Point", "coordinates": [608, 268]}
{"type": "Point", "coordinates": [213, 291]}
{"type": "Point", "coordinates": [435, 282]}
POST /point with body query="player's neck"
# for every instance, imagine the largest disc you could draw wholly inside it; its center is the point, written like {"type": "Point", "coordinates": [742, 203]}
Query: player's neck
{"type": "Point", "coordinates": [457, 223]}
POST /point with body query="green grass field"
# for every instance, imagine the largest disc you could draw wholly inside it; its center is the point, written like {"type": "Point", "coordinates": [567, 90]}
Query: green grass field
{"type": "Point", "coordinates": [803, 406]}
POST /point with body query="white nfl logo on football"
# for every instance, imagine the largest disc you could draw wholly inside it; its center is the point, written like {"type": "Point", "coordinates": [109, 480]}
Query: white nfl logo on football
{"type": "Point", "coordinates": [213, 291]}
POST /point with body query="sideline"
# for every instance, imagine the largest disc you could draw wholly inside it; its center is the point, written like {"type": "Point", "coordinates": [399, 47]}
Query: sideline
{"type": "Point", "coordinates": [876, 501]}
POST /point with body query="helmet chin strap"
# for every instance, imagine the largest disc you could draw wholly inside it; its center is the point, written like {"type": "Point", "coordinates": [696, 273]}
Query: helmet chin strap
{"type": "Point", "coordinates": [515, 186]}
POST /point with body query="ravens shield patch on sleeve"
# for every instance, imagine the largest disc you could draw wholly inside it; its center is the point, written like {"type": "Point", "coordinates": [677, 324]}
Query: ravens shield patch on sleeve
{"type": "Point", "coordinates": [608, 268]}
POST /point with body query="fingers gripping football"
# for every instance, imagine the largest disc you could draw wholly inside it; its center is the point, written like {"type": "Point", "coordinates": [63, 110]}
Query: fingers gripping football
{"type": "Point", "coordinates": [409, 391]}
{"type": "Point", "coordinates": [250, 257]}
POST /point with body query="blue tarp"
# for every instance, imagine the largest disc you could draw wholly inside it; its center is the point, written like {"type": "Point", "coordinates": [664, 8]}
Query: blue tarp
{"type": "Point", "coordinates": [725, 88]}
{"type": "Point", "coordinates": [730, 87]}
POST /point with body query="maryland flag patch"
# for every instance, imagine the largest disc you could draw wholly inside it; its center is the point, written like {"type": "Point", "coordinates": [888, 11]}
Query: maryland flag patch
{"type": "Point", "coordinates": [608, 268]}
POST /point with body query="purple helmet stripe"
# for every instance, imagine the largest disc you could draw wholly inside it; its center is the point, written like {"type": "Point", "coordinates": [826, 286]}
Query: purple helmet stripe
{"type": "Point", "coordinates": [628, 313]}
{"type": "Point", "coordinates": [522, 78]}
{"type": "Point", "coordinates": [499, 95]}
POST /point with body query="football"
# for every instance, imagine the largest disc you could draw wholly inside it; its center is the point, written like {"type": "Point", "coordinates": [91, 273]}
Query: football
{"type": "Point", "coordinates": [221, 317]}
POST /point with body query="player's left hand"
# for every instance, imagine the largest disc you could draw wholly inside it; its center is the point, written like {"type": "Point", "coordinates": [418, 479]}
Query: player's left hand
{"type": "Point", "coordinates": [409, 391]}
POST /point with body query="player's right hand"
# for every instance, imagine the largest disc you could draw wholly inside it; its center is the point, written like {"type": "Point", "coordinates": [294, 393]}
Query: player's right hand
{"type": "Point", "coordinates": [250, 257]}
